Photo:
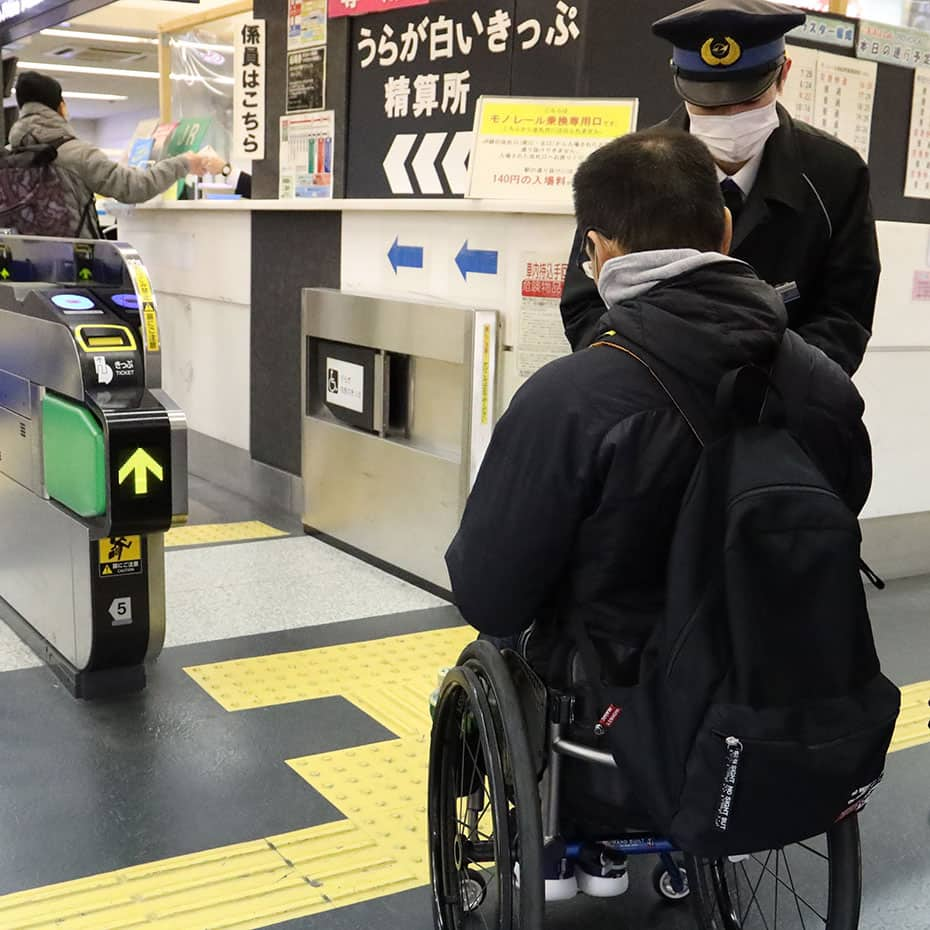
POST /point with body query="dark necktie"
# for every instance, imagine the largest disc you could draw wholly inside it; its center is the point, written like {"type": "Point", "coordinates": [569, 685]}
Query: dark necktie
{"type": "Point", "coordinates": [732, 197]}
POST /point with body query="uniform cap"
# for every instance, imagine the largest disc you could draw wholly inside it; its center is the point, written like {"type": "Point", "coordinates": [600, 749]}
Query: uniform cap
{"type": "Point", "coordinates": [727, 51]}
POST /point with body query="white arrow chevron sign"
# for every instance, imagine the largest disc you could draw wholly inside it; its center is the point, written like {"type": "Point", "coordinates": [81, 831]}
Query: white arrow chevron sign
{"type": "Point", "coordinates": [427, 168]}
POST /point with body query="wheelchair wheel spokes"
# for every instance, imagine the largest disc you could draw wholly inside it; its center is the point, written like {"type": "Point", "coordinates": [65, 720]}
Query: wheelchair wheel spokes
{"type": "Point", "coordinates": [472, 870]}
{"type": "Point", "coordinates": [483, 804]}
{"type": "Point", "coordinates": [815, 885]}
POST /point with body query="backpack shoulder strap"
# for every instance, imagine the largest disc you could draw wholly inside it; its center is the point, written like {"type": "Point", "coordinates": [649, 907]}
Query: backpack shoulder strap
{"type": "Point", "coordinates": [698, 422]}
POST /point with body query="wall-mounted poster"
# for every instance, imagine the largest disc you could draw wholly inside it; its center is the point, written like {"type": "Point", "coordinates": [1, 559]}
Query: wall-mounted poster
{"type": "Point", "coordinates": [529, 148]}
{"type": "Point", "coordinates": [306, 79]}
{"type": "Point", "coordinates": [306, 23]}
{"type": "Point", "coordinates": [306, 155]}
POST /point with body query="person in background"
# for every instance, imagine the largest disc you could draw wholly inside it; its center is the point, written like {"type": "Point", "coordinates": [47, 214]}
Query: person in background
{"type": "Point", "coordinates": [86, 169]}
{"type": "Point", "coordinates": [799, 197]}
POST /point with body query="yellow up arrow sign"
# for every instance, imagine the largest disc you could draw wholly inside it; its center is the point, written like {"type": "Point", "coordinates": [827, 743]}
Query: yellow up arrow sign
{"type": "Point", "coordinates": [139, 464]}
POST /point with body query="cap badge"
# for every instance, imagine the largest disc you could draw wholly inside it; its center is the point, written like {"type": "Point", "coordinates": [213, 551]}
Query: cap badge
{"type": "Point", "coordinates": [720, 51]}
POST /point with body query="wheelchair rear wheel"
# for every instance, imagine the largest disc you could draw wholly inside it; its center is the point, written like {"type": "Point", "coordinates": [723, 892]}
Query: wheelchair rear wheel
{"type": "Point", "coordinates": [483, 806]}
{"type": "Point", "coordinates": [815, 885]}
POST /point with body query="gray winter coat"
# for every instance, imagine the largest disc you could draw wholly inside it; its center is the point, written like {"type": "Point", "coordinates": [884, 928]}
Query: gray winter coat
{"type": "Point", "coordinates": [86, 170]}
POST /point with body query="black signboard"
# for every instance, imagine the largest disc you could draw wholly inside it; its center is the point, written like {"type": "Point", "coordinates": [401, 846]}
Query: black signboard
{"type": "Point", "coordinates": [416, 76]}
{"type": "Point", "coordinates": [306, 79]}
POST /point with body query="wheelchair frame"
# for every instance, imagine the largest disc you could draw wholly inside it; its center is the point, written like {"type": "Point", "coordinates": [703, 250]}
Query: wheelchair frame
{"type": "Point", "coordinates": [560, 711]}
{"type": "Point", "coordinates": [482, 713]}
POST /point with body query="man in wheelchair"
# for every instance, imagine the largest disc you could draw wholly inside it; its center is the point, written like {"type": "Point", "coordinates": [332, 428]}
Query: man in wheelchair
{"type": "Point", "coordinates": [564, 545]}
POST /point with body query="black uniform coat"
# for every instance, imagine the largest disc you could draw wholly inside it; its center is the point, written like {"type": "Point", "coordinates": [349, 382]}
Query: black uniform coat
{"type": "Point", "coordinates": [576, 500]}
{"type": "Point", "coordinates": [807, 219]}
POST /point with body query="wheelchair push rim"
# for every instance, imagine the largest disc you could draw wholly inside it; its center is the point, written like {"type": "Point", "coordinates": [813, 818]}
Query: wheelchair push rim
{"type": "Point", "coordinates": [484, 834]}
{"type": "Point", "coordinates": [814, 885]}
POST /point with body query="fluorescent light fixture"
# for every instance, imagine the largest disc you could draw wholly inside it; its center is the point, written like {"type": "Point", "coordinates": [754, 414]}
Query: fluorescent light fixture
{"type": "Point", "coordinates": [80, 69]}
{"type": "Point", "coordinates": [98, 36]}
{"type": "Point", "coordinates": [86, 95]}
{"type": "Point", "coordinates": [195, 78]}
{"type": "Point", "coordinates": [184, 43]}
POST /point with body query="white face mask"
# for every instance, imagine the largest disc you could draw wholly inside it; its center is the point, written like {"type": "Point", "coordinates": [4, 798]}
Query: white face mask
{"type": "Point", "coordinates": [736, 138]}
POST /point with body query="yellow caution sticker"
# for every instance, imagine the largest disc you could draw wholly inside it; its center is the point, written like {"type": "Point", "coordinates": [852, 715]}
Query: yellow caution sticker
{"type": "Point", "coordinates": [147, 301]}
{"type": "Point", "coordinates": [120, 555]}
{"type": "Point", "coordinates": [150, 323]}
{"type": "Point", "coordinates": [143, 283]}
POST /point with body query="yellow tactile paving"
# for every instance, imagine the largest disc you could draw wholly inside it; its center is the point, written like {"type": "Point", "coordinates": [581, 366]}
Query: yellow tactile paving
{"type": "Point", "coordinates": [387, 678]}
{"type": "Point", "coordinates": [209, 534]}
{"type": "Point", "coordinates": [379, 849]}
{"type": "Point", "coordinates": [914, 720]}
{"type": "Point", "coordinates": [381, 788]}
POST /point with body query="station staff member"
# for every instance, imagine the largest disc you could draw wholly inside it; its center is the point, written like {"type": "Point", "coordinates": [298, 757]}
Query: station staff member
{"type": "Point", "coordinates": [799, 197]}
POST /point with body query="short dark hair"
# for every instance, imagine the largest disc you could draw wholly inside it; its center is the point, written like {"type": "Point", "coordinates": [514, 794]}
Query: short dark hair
{"type": "Point", "coordinates": [32, 87]}
{"type": "Point", "coordinates": [655, 189]}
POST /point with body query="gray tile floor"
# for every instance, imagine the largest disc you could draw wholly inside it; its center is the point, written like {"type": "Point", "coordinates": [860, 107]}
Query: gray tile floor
{"type": "Point", "coordinates": [219, 592]}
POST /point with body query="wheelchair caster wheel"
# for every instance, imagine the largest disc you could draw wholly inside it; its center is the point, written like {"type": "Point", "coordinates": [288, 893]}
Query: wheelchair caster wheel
{"type": "Point", "coordinates": [474, 889]}
{"type": "Point", "coordinates": [662, 882]}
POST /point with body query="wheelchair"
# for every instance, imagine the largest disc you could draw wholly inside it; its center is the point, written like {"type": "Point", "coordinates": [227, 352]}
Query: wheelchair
{"type": "Point", "coordinates": [500, 742]}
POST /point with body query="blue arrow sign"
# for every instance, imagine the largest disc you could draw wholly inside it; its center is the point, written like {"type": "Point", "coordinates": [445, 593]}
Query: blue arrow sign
{"type": "Point", "coordinates": [475, 261]}
{"type": "Point", "coordinates": [405, 256]}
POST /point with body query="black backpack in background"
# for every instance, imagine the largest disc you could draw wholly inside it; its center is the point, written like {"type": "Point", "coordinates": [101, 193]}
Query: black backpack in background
{"type": "Point", "coordinates": [761, 716]}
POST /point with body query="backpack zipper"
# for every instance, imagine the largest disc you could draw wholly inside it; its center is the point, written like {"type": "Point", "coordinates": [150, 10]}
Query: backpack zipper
{"type": "Point", "coordinates": [734, 748]}
{"type": "Point", "coordinates": [804, 488]}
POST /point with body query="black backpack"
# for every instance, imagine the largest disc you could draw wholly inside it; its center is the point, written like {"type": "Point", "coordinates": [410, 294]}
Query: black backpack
{"type": "Point", "coordinates": [761, 716]}
{"type": "Point", "coordinates": [34, 199]}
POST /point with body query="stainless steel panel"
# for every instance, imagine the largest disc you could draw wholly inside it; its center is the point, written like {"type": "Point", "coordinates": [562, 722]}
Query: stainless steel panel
{"type": "Point", "coordinates": [437, 407]}
{"type": "Point", "coordinates": [397, 502]}
{"type": "Point", "coordinates": [155, 565]}
{"type": "Point", "coordinates": [18, 449]}
{"type": "Point", "coordinates": [433, 330]}
{"type": "Point", "coordinates": [179, 471]}
{"type": "Point", "coordinates": [15, 394]}
{"type": "Point", "coordinates": [45, 570]}
{"type": "Point", "coordinates": [41, 351]}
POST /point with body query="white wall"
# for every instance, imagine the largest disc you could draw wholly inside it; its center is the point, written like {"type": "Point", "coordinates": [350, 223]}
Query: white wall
{"type": "Point", "coordinates": [200, 267]}
{"type": "Point", "coordinates": [895, 377]}
{"type": "Point", "coordinates": [86, 129]}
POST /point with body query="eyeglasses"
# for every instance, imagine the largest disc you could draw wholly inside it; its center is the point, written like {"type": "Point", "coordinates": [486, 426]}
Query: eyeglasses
{"type": "Point", "coordinates": [585, 257]}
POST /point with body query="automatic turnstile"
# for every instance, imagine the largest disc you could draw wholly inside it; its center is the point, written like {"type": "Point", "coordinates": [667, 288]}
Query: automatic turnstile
{"type": "Point", "coordinates": [93, 460]}
{"type": "Point", "coordinates": [399, 402]}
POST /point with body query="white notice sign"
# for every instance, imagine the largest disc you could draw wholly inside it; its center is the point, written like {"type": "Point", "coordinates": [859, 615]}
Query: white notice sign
{"type": "Point", "coordinates": [249, 91]}
{"type": "Point", "coordinates": [542, 332]}
{"type": "Point", "coordinates": [798, 95]}
{"type": "Point", "coordinates": [345, 384]}
{"type": "Point", "coordinates": [843, 99]}
{"type": "Point", "coordinates": [917, 179]}
{"type": "Point", "coordinates": [833, 93]}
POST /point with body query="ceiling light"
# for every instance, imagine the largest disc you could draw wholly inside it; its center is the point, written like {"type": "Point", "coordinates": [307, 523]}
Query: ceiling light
{"type": "Point", "coordinates": [184, 43]}
{"type": "Point", "coordinates": [80, 69]}
{"type": "Point", "coordinates": [98, 36]}
{"type": "Point", "coordinates": [86, 95]}
{"type": "Point", "coordinates": [194, 78]}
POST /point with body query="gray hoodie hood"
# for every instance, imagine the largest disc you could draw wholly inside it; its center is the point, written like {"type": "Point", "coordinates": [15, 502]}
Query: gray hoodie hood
{"type": "Point", "coordinates": [37, 124]}
{"type": "Point", "coordinates": [628, 276]}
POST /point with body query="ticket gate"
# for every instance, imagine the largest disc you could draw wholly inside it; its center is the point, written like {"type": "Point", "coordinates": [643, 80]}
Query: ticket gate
{"type": "Point", "coordinates": [93, 460]}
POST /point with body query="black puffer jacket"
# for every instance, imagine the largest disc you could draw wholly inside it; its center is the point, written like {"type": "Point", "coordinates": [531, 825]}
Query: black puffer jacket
{"type": "Point", "coordinates": [576, 501]}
